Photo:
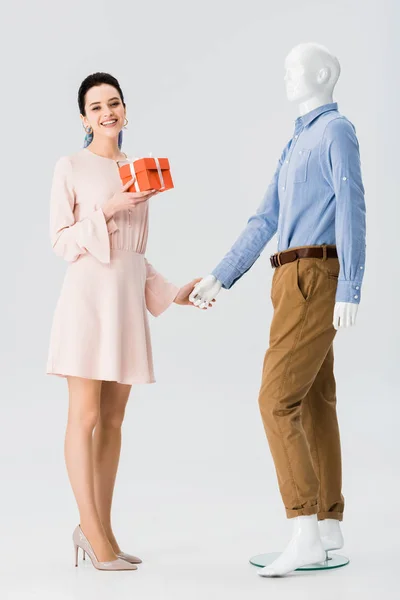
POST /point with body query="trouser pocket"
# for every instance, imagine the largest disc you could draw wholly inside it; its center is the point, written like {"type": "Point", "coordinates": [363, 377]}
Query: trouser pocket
{"type": "Point", "coordinates": [304, 278]}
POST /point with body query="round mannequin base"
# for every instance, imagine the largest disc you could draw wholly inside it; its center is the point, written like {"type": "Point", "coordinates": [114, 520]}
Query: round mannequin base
{"type": "Point", "coordinates": [333, 561]}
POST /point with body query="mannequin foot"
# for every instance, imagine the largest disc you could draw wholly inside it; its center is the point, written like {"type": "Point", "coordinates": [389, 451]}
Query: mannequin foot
{"type": "Point", "coordinates": [294, 557]}
{"type": "Point", "coordinates": [331, 534]}
{"type": "Point", "coordinates": [305, 548]}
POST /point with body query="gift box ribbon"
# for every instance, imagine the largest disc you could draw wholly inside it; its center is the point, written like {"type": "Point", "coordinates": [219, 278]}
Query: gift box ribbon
{"type": "Point", "coordinates": [134, 175]}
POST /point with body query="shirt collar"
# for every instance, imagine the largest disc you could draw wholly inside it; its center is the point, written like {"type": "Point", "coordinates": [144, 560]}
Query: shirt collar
{"type": "Point", "coordinates": [313, 114]}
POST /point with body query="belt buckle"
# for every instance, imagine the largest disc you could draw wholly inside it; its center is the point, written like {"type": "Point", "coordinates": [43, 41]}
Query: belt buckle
{"type": "Point", "coordinates": [275, 260]}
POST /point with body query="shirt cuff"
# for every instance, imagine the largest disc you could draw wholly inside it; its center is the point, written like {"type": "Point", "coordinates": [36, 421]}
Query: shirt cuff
{"type": "Point", "coordinates": [157, 301]}
{"type": "Point", "coordinates": [227, 274]}
{"type": "Point", "coordinates": [348, 291]}
{"type": "Point", "coordinates": [111, 225]}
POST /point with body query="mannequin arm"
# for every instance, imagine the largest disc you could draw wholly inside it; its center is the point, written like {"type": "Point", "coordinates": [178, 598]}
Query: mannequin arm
{"type": "Point", "coordinates": [247, 248]}
{"type": "Point", "coordinates": [259, 230]}
{"type": "Point", "coordinates": [340, 163]}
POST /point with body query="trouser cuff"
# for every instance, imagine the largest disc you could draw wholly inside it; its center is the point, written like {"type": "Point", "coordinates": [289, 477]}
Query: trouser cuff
{"type": "Point", "coordinates": [330, 515]}
{"type": "Point", "coordinates": [302, 512]}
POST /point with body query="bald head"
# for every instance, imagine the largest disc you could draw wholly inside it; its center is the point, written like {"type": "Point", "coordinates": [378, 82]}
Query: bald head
{"type": "Point", "coordinates": [310, 70]}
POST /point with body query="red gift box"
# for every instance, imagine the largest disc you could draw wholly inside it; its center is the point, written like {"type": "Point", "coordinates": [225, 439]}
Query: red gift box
{"type": "Point", "coordinates": [150, 173]}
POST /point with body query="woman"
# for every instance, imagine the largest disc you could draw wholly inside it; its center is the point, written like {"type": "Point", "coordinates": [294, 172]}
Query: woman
{"type": "Point", "coordinates": [100, 336]}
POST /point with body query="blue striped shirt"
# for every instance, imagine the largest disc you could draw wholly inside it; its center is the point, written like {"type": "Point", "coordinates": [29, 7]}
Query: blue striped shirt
{"type": "Point", "coordinates": [316, 197]}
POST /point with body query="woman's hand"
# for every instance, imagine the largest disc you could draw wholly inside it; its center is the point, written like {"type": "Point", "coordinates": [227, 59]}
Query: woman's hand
{"type": "Point", "coordinates": [182, 296]}
{"type": "Point", "coordinates": [124, 200]}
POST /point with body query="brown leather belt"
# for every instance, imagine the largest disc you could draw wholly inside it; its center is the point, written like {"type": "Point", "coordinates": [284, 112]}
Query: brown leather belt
{"type": "Point", "coordinates": [287, 256]}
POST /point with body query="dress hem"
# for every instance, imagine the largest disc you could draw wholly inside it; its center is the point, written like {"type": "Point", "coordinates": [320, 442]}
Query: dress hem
{"type": "Point", "coordinates": [133, 381]}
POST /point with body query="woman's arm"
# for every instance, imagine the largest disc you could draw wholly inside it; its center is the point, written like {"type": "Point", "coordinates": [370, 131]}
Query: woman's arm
{"type": "Point", "coordinates": [159, 292]}
{"type": "Point", "coordinates": [69, 238]}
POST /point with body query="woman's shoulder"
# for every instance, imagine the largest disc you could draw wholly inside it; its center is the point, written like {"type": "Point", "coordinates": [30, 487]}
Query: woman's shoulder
{"type": "Point", "coordinates": [74, 157]}
{"type": "Point", "coordinates": [65, 164]}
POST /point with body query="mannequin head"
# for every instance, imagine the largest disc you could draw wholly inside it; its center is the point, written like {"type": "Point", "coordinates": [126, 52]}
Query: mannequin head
{"type": "Point", "coordinates": [311, 73]}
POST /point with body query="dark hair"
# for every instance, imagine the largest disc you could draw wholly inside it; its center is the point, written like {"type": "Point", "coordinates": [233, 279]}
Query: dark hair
{"type": "Point", "coordinates": [94, 80]}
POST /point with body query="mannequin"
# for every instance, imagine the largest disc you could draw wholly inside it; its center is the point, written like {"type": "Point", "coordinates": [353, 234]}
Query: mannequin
{"type": "Point", "coordinates": [311, 73]}
{"type": "Point", "coordinates": [303, 60]}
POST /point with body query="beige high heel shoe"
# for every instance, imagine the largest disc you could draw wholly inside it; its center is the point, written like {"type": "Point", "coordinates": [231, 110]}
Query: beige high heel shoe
{"type": "Point", "coordinates": [129, 558]}
{"type": "Point", "coordinates": [80, 541]}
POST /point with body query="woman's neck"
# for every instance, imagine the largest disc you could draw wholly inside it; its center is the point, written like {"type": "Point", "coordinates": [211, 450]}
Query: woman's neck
{"type": "Point", "coordinates": [107, 148]}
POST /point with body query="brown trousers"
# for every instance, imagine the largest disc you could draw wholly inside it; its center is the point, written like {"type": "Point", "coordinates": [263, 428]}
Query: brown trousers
{"type": "Point", "coordinates": [298, 392]}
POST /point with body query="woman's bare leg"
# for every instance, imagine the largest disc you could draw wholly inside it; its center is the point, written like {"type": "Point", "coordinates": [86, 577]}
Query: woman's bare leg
{"type": "Point", "coordinates": [83, 414]}
{"type": "Point", "coordinates": [106, 450]}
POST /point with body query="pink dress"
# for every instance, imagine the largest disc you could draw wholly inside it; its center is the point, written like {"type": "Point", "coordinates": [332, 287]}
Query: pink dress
{"type": "Point", "coordinates": [100, 326]}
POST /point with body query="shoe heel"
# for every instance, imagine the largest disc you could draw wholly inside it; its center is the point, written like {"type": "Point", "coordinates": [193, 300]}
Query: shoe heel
{"type": "Point", "coordinates": [76, 554]}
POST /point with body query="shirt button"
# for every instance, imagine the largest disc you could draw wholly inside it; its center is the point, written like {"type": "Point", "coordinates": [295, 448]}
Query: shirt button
{"type": "Point", "coordinates": [283, 187]}
{"type": "Point", "coordinates": [357, 287]}
{"type": "Point", "coordinates": [295, 137]}
{"type": "Point", "coordinates": [361, 267]}
{"type": "Point", "coordinates": [287, 161]}
{"type": "Point", "coordinates": [356, 297]}
{"type": "Point", "coordinates": [344, 178]}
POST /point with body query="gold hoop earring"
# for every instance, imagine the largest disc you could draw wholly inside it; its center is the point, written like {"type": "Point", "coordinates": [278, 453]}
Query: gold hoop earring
{"type": "Point", "coordinates": [126, 123]}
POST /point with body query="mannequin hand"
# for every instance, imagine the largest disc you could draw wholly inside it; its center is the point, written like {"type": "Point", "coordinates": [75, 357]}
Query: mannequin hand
{"type": "Point", "coordinates": [344, 315]}
{"type": "Point", "coordinates": [205, 291]}
{"type": "Point", "coordinates": [182, 296]}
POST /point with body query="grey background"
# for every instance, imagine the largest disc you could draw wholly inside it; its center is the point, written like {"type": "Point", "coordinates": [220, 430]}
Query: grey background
{"type": "Point", "coordinates": [196, 493]}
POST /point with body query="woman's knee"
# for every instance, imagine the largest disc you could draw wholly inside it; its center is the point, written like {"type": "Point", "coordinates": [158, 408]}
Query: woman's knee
{"type": "Point", "coordinates": [84, 419]}
{"type": "Point", "coordinates": [112, 417]}
{"type": "Point", "coordinates": [84, 402]}
{"type": "Point", "coordinates": [114, 397]}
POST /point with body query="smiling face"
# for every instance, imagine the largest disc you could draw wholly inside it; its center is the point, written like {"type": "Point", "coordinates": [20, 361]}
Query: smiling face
{"type": "Point", "coordinates": [105, 112]}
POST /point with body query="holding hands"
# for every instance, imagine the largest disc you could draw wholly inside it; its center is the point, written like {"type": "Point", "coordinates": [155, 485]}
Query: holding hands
{"type": "Point", "coordinates": [184, 299]}
{"type": "Point", "coordinates": [205, 291]}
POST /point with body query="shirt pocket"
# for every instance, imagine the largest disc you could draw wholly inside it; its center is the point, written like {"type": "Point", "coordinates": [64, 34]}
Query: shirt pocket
{"type": "Point", "coordinates": [300, 173]}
